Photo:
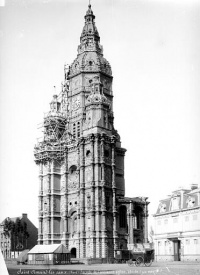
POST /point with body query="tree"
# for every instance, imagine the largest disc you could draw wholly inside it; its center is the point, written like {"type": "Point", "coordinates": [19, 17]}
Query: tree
{"type": "Point", "coordinates": [7, 227]}
{"type": "Point", "coordinates": [151, 234]}
{"type": "Point", "coordinates": [17, 232]}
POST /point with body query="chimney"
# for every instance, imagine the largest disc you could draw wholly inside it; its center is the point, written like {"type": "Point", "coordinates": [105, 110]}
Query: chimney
{"type": "Point", "coordinates": [24, 216]}
{"type": "Point", "coordinates": [194, 186]}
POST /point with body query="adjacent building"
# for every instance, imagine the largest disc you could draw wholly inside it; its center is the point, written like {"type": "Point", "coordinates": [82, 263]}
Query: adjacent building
{"type": "Point", "coordinates": [82, 201]}
{"type": "Point", "coordinates": [17, 234]}
{"type": "Point", "coordinates": [177, 226]}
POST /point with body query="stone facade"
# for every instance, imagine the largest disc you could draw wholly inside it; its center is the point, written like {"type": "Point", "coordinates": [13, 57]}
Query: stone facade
{"type": "Point", "coordinates": [82, 201]}
{"type": "Point", "coordinates": [177, 226]}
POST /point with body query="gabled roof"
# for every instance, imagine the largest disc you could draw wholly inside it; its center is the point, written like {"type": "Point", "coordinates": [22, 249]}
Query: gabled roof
{"type": "Point", "coordinates": [48, 248]}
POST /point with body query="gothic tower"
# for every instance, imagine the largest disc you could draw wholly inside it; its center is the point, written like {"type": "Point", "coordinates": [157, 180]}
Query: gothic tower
{"type": "Point", "coordinates": [81, 162]}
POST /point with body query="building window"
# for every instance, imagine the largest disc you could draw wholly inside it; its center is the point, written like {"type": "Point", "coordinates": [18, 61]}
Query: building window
{"type": "Point", "coordinates": [195, 241]}
{"type": "Point", "coordinates": [122, 217]}
{"type": "Point", "coordinates": [166, 221]}
{"type": "Point", "coordinates": [175, 220]}
{"type": "Point", "coordinates": [186, 218]}
{"type": "Point", "coordinates": [194, 217]}
{"type": "Point", "coordinates": [158, 222]}
{"type": "Point", "coordinates": [187, 242]}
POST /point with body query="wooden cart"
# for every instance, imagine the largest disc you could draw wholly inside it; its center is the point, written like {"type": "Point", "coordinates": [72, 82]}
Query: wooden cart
{"type": "Point", "coordinates": [145, 258]}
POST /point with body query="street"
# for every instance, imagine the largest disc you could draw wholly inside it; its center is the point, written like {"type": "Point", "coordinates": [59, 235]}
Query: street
{"type": "Point", "coordinates": [157, 268]}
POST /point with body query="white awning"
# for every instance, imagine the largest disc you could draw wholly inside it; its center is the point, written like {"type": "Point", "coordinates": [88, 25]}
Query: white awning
{"type": "Point", "coordinates": [48, 248]}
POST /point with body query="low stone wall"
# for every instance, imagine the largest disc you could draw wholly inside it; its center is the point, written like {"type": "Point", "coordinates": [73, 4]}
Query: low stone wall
{"type": "Point", "coordinates": [88, 261]}
{"type": "Point", "coordinates": [10, 261]}
{"type": "Point", "coordinates": [183, 258]}
{"type": "Point", "coordinates": [190, 258]}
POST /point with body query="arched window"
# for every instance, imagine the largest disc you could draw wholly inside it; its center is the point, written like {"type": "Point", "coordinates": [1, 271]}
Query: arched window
{"type": "Point", "coordinates": [123, 217]}
{"type": "Point", "coordinates": [73, 252]}
{"type": "Point", "coordinates": [72, 169]}
{"type": "Point", "coordinates": [138, 215]}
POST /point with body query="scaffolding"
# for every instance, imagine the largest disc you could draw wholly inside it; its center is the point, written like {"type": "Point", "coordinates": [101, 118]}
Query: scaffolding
{"type": "Point", "coordinates": [56, 130]}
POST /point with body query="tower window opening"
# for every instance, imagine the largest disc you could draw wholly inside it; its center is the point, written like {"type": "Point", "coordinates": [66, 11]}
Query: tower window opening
{"type": "Point", "coordinates": [107, 202]}
{"type": "Point", "coordinates": [74, 130]}
{"type": "Point", "coordinates": [106, 153]}
{"type": "Point", "coordinates": [88, 153]}
{"type": "Point", "coordinates": [72, 169]}
{"type": "Point", "coordinates": [122, 217]}
{"type": "Point", "coordinates": [90, 63]}
{"type": "Point", "coordinates": [78, 129]}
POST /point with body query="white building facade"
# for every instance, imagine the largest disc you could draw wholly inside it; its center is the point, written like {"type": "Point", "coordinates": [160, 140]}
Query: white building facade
{"type": "Point", "coordinates": [177, 226]}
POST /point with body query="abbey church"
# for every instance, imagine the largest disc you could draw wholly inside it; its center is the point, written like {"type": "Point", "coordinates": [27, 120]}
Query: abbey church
{"type": "Point", "coordinates": [82, 201]}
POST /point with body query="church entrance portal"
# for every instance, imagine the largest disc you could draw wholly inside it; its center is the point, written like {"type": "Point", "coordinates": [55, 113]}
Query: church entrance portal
{"type": "Point", "coordinates": [73, 252]}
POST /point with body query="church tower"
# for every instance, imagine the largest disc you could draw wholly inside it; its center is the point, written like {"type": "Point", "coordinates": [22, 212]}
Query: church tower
{"type": "Point", "coordinates": [82, 201]}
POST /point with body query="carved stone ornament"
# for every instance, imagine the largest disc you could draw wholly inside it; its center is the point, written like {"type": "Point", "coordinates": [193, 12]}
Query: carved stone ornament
{"type": "Point", "coordinates": [72, 159]}
{"type": "Point", "coordinates": [76, 104]}
{"type": "Point", "coordinates": [88, 174]}
{"type": "Point", "coordinates": [54, 204]}
{"type": "Point", "coordinates": [73, 180]}
{"type": "Point", "coordinates": [63, 189]}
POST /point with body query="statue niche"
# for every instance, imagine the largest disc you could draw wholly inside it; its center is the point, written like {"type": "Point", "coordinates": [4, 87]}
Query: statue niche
{"type": "Point", "coordinates": [73, 177]}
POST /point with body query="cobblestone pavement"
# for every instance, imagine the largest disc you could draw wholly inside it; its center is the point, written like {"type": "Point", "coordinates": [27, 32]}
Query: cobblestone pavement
{"type": "Point", "coordinates": [157, 268]}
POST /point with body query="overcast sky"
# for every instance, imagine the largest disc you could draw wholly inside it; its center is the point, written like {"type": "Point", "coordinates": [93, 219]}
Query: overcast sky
{"type": "Point", "coordinates": [153, 48]}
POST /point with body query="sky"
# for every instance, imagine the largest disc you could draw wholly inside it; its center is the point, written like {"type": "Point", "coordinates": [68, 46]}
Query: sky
{"type": "Point", "coordinates": [153, 49]}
